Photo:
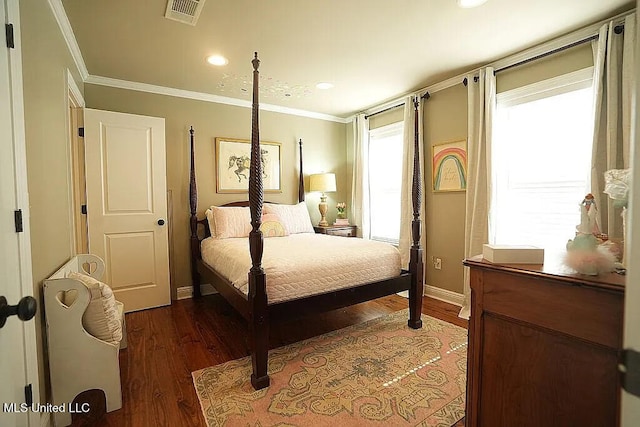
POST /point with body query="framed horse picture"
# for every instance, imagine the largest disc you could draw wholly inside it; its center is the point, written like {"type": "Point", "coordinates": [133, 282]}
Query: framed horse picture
{"type": "Point", "coordinates": [233, 161]}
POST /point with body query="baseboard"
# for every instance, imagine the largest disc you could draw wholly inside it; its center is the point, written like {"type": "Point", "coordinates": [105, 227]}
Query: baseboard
{"type": "Point", "coordinates": [444, 295]}
{"type": "Point", "coordinates": [186, 292]}
{"type": "Point", "coordinates": [45, 419]}
{"type": "Point", "coordinates": [451, 297]}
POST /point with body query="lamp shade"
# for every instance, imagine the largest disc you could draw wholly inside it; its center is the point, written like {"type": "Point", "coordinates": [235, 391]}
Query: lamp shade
{"type": "Point", "coordinates": [325, 182]}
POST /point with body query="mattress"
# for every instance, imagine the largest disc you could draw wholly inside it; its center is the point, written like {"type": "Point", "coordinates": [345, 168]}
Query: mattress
{"type": "Point", "coordinates": [303, 264]}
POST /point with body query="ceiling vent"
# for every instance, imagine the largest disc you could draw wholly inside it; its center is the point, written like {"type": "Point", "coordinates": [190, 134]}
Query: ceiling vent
{"type": "Point", "coordinates": [187, 11]}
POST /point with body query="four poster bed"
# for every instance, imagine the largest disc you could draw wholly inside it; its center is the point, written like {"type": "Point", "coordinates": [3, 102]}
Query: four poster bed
{"type": "Point", "coordinates": [283, 284]}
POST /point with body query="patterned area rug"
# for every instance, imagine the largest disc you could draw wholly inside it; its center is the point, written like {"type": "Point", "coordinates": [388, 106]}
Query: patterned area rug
{"type": "Point", "coordinates": [380, 372]}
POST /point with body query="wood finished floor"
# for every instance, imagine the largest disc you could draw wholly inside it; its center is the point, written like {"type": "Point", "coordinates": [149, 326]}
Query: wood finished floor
{"type": "Point", "coordinates": [166, 344]}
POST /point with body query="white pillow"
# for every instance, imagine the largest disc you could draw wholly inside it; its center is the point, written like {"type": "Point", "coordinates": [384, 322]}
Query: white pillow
{"type": "Point", "coordinates": [101, 318]}
{"type": "Point", "coordinates": [295, 218]}
{"type": "Point", "coordinates": [231, 221]}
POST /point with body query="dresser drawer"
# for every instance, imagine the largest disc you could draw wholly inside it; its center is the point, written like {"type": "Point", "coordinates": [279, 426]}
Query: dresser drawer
{"type": "Point", "coordinates": [582, 312]}
{"type": "Point", "coordinates": [343, 231]}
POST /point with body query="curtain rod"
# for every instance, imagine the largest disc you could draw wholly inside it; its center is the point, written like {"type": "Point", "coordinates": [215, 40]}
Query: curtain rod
{"type": "Point", "coordinates": [618, 29]}
{"type": "Point", "coordinates": [393, 107]}
{"type": "Point", "coordinates": [426, 95]}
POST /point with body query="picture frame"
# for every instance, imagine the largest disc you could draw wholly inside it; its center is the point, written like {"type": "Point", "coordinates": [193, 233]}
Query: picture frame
{"type": "Point", "coordinates": [449, 166]}
{"type": "Point", "coordinates": [233, 157]}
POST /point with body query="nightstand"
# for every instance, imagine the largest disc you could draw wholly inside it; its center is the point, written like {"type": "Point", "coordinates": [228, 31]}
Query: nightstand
{"type": "Point", "coordinates": [338, 230]}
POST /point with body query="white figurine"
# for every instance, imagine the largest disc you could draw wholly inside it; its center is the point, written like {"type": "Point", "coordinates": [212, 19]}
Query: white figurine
{"type": "Point", "coordinates": [589, 216]}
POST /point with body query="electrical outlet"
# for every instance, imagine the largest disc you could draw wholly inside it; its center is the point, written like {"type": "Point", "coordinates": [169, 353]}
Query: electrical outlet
{"type": "Point", "coordinates": [437, 263]}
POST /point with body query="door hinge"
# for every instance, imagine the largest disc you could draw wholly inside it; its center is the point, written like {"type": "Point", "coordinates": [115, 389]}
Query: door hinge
{"type": "Point", "coordinates": [83, 209]}
{"type": "Point", "coordinates": [28, 395]}
{"type": "Point", "coordinates": [81, 132]}
{"type": "Point", "coordinates": [17, 216]}
{"type": "Point", "coordinates": [8, 30]}
{"type": "Point", "coordinates": [630, 371]}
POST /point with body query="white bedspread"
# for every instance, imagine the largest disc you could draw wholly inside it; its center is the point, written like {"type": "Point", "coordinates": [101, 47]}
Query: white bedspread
{"type": "Point", "coordinates": [304, 264]}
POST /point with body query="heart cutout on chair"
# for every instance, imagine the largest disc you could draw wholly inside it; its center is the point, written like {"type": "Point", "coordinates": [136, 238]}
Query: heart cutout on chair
{"type": "Point", "coordinates": [67, 298]}
{"type": "Point", "coordinates": [89, 267]}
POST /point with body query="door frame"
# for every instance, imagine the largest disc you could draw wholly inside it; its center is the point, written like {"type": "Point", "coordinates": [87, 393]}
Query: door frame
{"type": "Point", "coordinates": [76, 177]}
{"type": "Point", "coordinates": [22, 196]}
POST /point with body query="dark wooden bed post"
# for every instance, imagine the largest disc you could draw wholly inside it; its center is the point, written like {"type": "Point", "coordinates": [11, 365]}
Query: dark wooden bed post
{"type": "Point", "coordinates": [193, 204]}
{"type": "Point", "coordinates": [301, 182]}
{"type": "Point", "coordinates": [258, 315]}
{"type": "Point", "coordinates": [416, 266]}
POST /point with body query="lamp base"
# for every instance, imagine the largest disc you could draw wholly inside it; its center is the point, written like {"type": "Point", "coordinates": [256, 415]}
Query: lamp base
{"type": "Point", "coordinates": [322, 207]}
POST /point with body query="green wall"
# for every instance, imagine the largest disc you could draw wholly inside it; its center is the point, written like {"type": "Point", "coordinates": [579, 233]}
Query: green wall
{"type": "Point", "coordinates": [445, 120]}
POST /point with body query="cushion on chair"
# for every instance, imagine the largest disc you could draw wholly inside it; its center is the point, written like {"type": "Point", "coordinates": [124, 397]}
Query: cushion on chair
{"type": "Point", "coordinates": [102, 319]}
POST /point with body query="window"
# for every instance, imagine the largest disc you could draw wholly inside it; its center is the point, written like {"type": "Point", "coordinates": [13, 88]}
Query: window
{"type": "Point", "coordinates": [385, 180]}
{"type": "Point", "coordinates": [541, 160]}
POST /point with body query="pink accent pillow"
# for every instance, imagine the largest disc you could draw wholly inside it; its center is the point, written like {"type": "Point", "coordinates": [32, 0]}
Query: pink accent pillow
{"type": "Point", "coordinates": [272, 226]}
{"type": "Point", "coordinates": [295, 218]}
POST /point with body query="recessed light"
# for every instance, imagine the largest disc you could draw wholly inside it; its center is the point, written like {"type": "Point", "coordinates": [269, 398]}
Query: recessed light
{"type": "Point", "coordinates": [324, 85]}
{"type": "Point", "coordinates": [218, 60]}
{"type": "Point", "coordinates": [470, 3]}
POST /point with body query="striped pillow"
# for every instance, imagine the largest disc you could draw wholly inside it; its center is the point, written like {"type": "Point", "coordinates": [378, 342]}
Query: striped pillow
{"type": "Point", "coordinates": [101, 318]}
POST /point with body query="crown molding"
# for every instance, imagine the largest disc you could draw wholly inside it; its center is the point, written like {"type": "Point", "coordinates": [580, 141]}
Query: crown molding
{"type": "Point", "coordinates": [69, 37]}
{"type": "Point", "coordinates": [207, 97]}
{"type": "Point", "coordinates": [67, 32]}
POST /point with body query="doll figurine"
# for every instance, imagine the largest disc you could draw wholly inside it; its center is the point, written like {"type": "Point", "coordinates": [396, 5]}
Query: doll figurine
{"type": "Point", "coordinates": [589, 216]}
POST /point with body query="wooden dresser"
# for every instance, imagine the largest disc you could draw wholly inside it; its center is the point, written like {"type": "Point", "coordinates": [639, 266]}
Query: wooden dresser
{"type": "Point", "coordinates": [543, 346]}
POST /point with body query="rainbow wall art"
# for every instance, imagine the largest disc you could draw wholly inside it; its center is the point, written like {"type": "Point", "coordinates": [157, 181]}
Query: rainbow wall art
{"type": "Point", "coordinates": [450, 166]}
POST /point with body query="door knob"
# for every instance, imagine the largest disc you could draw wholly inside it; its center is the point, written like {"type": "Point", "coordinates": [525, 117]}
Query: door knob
{"type": "Point", "coordinates": [161, 222]}
{"type": "Point", "coordinates": [25, 309]}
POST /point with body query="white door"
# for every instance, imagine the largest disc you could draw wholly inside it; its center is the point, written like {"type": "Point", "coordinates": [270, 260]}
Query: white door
{"type": "Point", "coordinates": [127, 205]}
{"type": "Point", "coordinates": [17, 338]}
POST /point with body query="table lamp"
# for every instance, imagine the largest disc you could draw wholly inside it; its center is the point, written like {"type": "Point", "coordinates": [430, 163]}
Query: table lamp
{"type": "Point", "coordinates": [323, 182]}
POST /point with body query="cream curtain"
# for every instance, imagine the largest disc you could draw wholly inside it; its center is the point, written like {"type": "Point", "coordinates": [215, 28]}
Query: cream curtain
{"type": "Point", "coordinates": [360, 183]}
{"type": "Point", "coordinates": [481, 105]}
{"type": "Point", "coordinates": [406, 209]}
{"type": "Point", "coordinates": [613, 82]}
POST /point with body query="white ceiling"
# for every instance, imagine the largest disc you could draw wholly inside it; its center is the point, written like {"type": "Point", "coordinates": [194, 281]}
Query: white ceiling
{"type": "Point", "coordinates": [372, 51]}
